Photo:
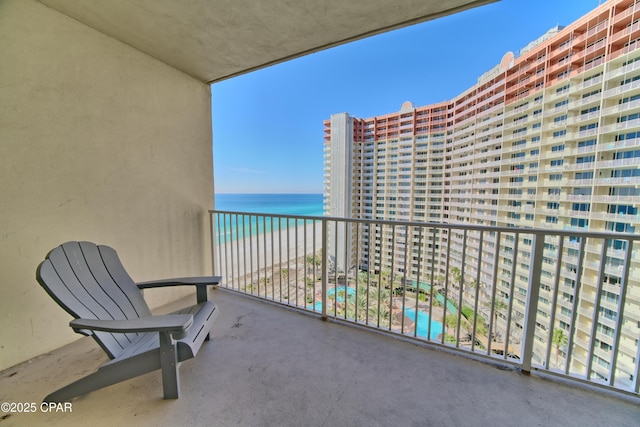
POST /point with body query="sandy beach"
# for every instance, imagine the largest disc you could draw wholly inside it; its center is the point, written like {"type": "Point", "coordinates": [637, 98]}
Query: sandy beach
{"type": "Point", "coordinates": [262, 253]}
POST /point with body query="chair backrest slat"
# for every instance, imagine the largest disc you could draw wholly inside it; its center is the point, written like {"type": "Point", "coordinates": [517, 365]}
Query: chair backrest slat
{"type": "Point", "coordinates": [89, 282]}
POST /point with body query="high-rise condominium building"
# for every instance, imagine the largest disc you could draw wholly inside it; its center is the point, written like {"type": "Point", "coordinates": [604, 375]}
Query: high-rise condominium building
{"type": "Point", "coordinates": [548, 138]}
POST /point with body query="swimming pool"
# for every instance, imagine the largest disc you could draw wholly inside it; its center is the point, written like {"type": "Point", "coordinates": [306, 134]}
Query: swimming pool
{"type": "Point", "coordinates": [351, 292]}
{"type": "Point", "coordinates": [426, 288]}
{"type": "Point", "coordinates": [423, 323]}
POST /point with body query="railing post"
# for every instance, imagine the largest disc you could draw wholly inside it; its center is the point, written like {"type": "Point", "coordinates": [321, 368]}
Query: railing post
{"type": "Point", "coordinates": [535, 271]}
{"type": "Point", "coordinates": [325, 269]}
{"type": "Point", "coordinates": [213, 242]}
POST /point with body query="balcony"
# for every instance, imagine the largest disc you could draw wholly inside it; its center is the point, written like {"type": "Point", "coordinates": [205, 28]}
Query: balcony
{"type": "Point", "coordinates": [268, 365]}
{"type": "Point", "coordinates": [303, 263]}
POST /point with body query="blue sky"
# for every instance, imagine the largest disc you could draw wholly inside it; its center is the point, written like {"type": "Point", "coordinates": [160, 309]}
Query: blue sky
{"type": "Point", "coordinates": [267, 125]}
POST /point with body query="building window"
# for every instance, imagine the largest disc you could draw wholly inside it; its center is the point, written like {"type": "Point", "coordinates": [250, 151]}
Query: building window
{"type": "Point", "coordinates": [586, 143]}
{"type": "Point", "coordinates": [584, 175]}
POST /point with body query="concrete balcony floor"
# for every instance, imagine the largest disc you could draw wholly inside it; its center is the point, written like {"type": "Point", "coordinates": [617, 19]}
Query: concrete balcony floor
{"type": "Point", "coordinates": [269, 366]}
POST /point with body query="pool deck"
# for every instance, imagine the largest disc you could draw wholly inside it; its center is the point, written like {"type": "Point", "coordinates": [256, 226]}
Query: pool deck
{"type": "Point", "coordinates": [267, 365]}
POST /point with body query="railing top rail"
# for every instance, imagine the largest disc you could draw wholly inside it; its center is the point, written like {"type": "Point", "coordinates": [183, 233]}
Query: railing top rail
{"type": "Point", "coordinates": [448, 226]}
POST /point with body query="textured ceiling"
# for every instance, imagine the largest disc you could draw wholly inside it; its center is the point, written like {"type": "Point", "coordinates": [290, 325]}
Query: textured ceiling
{"type": "Point", "coordinates": [216, 39]}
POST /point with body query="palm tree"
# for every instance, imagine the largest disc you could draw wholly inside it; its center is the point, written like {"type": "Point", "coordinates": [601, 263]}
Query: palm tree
{"type": "Point", "coordinates": [356, 307]}
{"type": "Point", "coordinates": [457, 276]}
{"type": "Point", "coordinates": [396, 285]}
{"type": "Point", "coordinates": [379, 301]}
{"type": "Point", "coordinates": [499, 305]}
{"type": "Point", "coordinates": [472, 283]}
{"type": "Point", "coordinates": [363, 278]}
{"type": "Point", "coordinates": [317, 260]}
{"type": "Point", "coordinates": [309, 261]}
{"type": "Point", "coordinates": [313, 262]}
{"type": "Point", "coordinates": [384, 277]}
{"type": "Point", "coordinates": [559, 339]}
{"type": "Point", "coordinates": [451, 322]}
{"type": "Point", "coordinates": [309, 282]}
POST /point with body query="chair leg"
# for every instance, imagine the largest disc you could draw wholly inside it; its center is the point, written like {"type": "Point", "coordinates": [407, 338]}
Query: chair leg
{"type": "Point", "coordinates": [169, 366]}
{"type": "Point", "coordinates": [106, 375]}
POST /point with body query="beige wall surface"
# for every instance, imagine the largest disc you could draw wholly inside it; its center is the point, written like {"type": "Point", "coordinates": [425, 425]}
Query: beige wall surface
{"type": "Point", "coordinates": [98, 142]}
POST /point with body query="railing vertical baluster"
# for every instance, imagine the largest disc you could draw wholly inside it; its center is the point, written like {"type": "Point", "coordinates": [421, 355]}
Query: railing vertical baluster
{"type": "Point", "coordinates": [418, 276]}
{"type": "Point", "coordinates": [251, 268]}
{"type": "Point", "coordinates": [404, 279]}
{"type": "Point", "coordinates": [258, 252]}
{"type": "Point", "coordinates": [324, 245]}
{"type": "Point", "coordinates": [636, 381]}
{"type": "Point", "coordinates": [273, 259]}
{"type": "Point", "coordinates": [446, 285]}
{"type": "Point", "coordinates": [226, 245]}
{"type": "Point", "coordinates": [596, 306]}
{"type": "Point", "coordinates": [222, 249]}
{"type": "Point", "coordinates": [357, 273]}
{"type": "Point", "coordinates": [217, 266]}
{"type": "Point", "coordinates": [288, 251]}
{"type": "Point", "coordinates": [461, 288]}
{"type": "Point", "coordinates": [535, 271]}
{"type": "Point", "coordinates": [347, 267]}
{"type": "Point", "coordinates": [574, 307]}
{"type": "Point", "coordinates": [554, 301]}
{"type": "Point", "coordinates": [335, 269]}
{"type": "Point", "coordinates": [213, 235]}
{"type": "Point", "coordinates": [236, 280]}
{"type": "Point", "coordinates": [492, 301]}
{"type": "Point", "coordinates": [431, 277]}
{"type": "Point", "coordinates": [278, 271]}
{"type": "Point", "coordinates": [512, 278]}
{"type": "Point", "coordinates": [380, 276]}
{"type": "Point", "coordinates": [287, 254]}
{"type": "Point", "coordinates": [264, 253]}
{"type": "Point", "coordinates": [297, 278]}
{"type": "Point", "coordinates": [477, 295]}
{"type": "Point", "coordinates": [247, 236]}
{"type": "Point", "coordinates": [391, 278]}
{"type": "Point", "coordinates": [368, 273]}
{"type": "Point", "coordinates": [624, 288]}
{"type": "Point", "coordinates": [304, 262]}
{"type": "Point", "coordinates": [325, 269]}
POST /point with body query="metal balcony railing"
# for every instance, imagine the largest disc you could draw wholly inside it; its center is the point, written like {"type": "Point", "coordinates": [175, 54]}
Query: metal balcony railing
{"type": "Point", "coordinates": [565, 302]}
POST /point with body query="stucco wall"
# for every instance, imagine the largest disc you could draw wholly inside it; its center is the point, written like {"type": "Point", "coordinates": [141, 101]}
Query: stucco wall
{"type": "Point", "coordinates": [98, 142]}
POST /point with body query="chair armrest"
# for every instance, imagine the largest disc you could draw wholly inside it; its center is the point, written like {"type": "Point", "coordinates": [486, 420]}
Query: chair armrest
{"type": "Point", "coordinates": [175, 324]}
{"type": "Point", "coordinates": [200, 283]}
{"type": "Point", "coordinates": [203, 280]}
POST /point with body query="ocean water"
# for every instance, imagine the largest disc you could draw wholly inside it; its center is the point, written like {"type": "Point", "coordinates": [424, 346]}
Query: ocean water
{"type": "Point", "coordinates": [283, 204]}
{"type": "Point", "coordinates": [231, 227]}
